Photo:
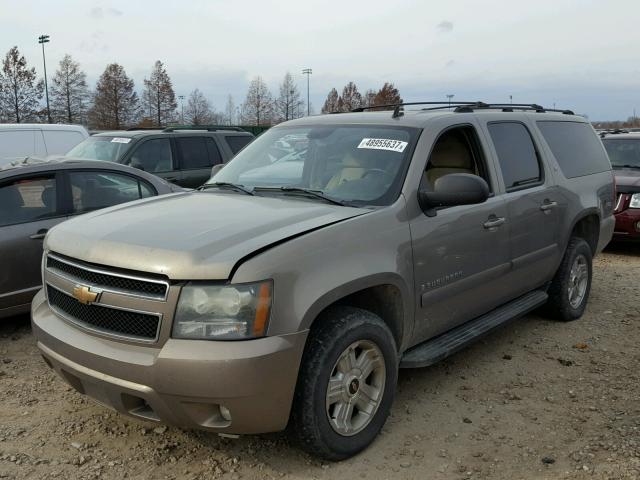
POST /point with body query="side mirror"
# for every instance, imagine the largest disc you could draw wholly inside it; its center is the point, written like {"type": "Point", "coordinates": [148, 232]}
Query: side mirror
{"type": "Point", "coordinates": [454, 189]}
{"type": "Point", "coordinates": [216, 168]}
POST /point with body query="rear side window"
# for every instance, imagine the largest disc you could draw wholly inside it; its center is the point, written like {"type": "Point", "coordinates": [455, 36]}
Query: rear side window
{"type": "Point", "coordinates": [60, 142]}
{"type": "Point", "coordinates": [194, 152]}
{"type": "Point", "coordinates": [576, 147]}
{"type": "Point", "coordinates": [16, 144]}
{"type": "Point", "coordinates": [237, 142]}
{"type": "Point", "coordinates": [517, 155]}
{"type": "Point", "coordinates": [153, 156]}
{"type": "Point", "coordinates": [93, 190]}
{"type": "Point", "coordinates": [28, 200]}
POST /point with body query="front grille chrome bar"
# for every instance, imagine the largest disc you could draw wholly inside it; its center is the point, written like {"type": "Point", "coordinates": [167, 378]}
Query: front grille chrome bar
{"type": "Point", "coordinates": [106, 279]}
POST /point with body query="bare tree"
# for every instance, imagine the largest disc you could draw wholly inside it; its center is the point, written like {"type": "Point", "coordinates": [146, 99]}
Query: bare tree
{"type": "Point", "coordinates": [20, 92]}
{"type": "Point", "coordinates": [288, 105]}
{"type": "Point", "coordinates": [332, 103]}
{"type": "Point", "coordinates": [69, 92]}
{"type": "Point", "coordinates": [158, 96]}
{"type": "Point", "coordinates": [230, 112]}
{"type": "Point", "coordinates": [387, 95]}
{"type": "Point", "coordinates": [257, 108]}
{"type": "Point", "coordinates": [115, 102]}
{"type": "Point", "coordinates": [368, 100]}
{"type": "Point", "coordinates": [351, 97]}
{"type": "Point", "coordinates": [198, 111]}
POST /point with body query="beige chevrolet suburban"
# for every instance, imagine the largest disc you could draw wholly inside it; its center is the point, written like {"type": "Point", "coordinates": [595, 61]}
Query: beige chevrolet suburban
{"type": "Point", "coordinates": [328, 253]}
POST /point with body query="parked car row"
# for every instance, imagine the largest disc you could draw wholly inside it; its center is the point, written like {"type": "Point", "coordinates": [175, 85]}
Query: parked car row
{"type": "Point", "coordinates": [328, 253]}
{"type": "Point", "coordinates": [179, 155]}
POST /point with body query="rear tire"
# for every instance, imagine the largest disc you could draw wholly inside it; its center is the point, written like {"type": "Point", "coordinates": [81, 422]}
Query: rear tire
{"type": "Point", "coordinates": [569, 290]}
{"type": "Point", "coordinates": [346, 384]}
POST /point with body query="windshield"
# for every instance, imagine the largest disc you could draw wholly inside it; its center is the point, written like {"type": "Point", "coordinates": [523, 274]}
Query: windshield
{"type": "Point", "coordinates": [623, 153]}
{"type": "Point", "coordinates": [357, 164]}
{"type": "Point", "coordinates": [101, 148]}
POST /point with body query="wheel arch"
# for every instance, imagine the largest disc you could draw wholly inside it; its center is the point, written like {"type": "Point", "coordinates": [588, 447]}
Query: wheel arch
{"type": "Point", "coordinates": [385, 295]}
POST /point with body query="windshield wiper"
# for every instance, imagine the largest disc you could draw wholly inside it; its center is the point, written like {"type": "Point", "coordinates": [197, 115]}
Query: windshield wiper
{"type": "Point", "coordinates": [232, 186]}
{"type": "Point", "coordinates": [307, 191]}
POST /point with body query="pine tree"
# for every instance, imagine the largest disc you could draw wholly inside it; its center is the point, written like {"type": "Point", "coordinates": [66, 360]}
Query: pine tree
{"type": "Point", "coordinates": [69, 92]}
{"type": "Point", "coordinates": [20, 92]}
{"type": "Point", "coordinates": [159, 98]}
{"type": "Point", "coordinates": [115, 102]}
{"type": "Point", "coordinates": [387, 95]}
{"type": "Point", "coordinates": [351, 97]}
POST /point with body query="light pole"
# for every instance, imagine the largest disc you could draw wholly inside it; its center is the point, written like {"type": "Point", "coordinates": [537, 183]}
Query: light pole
{"type": "Point", "coordinates": [307, 72]}
{"type": "Point", "coordinates": [450, 96]}
{"type": "Point", "coordinates": [181, 97]}
{"type": "Point", "coordinates": [510, 98]}
{"type": "Point", "coordinates": [42, 39]}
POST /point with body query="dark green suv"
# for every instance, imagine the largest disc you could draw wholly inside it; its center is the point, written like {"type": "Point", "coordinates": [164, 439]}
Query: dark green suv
{"type": "Point", "coordinates": [179, 155]}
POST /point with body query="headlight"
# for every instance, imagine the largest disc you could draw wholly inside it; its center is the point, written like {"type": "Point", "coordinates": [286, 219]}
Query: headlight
{"type": "Point", "coordinates": [635, 201]}
{"type": "Point", "coordinates": [223, 312]}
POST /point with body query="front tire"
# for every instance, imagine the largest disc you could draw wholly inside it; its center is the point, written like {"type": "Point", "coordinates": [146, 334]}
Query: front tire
{"type": "Point", "coordinates": [346, 384]}
{"type": "Point", "coordinates": [569, 290]}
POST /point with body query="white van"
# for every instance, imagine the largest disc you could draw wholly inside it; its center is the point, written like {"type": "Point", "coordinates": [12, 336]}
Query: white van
{"type": "Point", "coordinates": [20, 140]}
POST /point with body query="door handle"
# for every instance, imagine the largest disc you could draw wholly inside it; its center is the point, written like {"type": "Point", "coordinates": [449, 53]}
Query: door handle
{"type": "Point", "coordinates": [548, 205]}
{"type": "Point", "coordinates": [39, 235]}
{"type": "Point", "coordinates": [493, 222]}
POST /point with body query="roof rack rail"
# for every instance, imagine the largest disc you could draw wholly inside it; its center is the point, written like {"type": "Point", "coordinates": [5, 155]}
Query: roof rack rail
{"type": "Point", "coordinates": [132, 129]}
{"type": "Point", "coordinates": [465, 107]}
{"type": "Point", "coordinates": [208, 128]}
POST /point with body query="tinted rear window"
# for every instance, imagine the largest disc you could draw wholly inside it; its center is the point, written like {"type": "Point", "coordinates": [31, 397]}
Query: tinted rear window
{"type": "Point", "coordinates": [237, 142]}
{"type": "Point", "coordinates": [576, 147]}
{"type": "Point", "coordinates": [516, 154]}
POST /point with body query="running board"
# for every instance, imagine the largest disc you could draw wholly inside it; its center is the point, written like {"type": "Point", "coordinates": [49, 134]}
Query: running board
{"type": "Point", "coordinates": [440, 347]}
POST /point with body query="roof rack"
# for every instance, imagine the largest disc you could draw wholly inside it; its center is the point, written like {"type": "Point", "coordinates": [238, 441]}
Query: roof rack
{"type": "Point", "coordinates": [465, 107]}
{"type": "Point", "coordinates": [208, 128]}
{"type": "Point", "coordinates": [133, 129]}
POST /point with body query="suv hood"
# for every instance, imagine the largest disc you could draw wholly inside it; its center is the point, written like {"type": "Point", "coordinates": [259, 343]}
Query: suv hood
{"type": "Point", "coordinates": [190, 236]}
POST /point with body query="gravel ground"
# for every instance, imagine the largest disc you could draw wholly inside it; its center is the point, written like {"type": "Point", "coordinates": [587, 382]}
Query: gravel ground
{"type": "Point", "coordinates": [535, 400]}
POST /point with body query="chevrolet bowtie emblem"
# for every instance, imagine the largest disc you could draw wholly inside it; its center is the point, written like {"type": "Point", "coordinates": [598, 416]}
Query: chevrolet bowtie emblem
{"type": "Point", "coordinates": [84, 295]}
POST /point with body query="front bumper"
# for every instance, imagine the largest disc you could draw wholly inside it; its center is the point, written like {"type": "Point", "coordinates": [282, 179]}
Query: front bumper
{"type": "Point", "coordinates": [182, 383]}
{"type": "Point", "coordinates": [627, 225]}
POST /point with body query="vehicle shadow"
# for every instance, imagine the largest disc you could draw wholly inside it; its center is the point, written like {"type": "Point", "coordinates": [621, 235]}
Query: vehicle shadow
{"type": "Point", "coordinates": [16, 325]}
{"type": "Point", "coordinates": [623, 248]}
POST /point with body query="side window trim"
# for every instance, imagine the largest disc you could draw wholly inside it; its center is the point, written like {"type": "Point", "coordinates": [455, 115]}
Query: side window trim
{"type": "Point", "coordinates": [536, 149]}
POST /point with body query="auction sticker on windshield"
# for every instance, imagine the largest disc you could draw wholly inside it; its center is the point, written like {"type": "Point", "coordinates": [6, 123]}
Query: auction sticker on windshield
{"type": "Point", "coordinates": [383, 144]}
{"type": "Point", "coordinates": [120, 140]}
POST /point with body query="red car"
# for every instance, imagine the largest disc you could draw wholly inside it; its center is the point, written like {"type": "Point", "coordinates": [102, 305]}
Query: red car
{"type": "Point", "coordinates": [624, 153]}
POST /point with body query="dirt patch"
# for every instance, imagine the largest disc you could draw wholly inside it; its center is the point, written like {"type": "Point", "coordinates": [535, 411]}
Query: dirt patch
{"type": "Point", "coordinates": [535, 400]}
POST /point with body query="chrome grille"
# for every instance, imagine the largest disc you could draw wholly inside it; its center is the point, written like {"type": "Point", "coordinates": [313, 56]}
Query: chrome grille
{"type": "Point", "coordinates": [113, 321]}
{"type": "Point", "coordinates": [107, 279]}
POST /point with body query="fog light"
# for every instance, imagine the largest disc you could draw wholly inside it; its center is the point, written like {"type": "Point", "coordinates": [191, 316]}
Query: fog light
{"type": "Point", "coordinates": [225, 413]}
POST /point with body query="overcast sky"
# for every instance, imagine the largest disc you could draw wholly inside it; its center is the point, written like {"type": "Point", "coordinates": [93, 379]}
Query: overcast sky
{"type": "Point", "coordinates": [582, 55]}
